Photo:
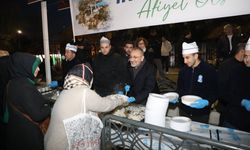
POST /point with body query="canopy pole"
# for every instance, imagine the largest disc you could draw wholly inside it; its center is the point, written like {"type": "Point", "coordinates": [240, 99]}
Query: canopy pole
{"type": "Point", "coordinates": [72, 19]}
{"type": "Point", "coordinates": [46, 41]}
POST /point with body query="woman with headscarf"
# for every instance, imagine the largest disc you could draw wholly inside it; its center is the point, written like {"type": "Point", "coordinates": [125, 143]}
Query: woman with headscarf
{"type": "Point", "coordinates": [23, 98]}
{"type": "Point", "coordinates": [69, 104]}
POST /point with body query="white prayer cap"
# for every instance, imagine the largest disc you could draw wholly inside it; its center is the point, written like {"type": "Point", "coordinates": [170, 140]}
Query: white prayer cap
{"type": "Point", "coordinates": [71, 47]}
{"type": "Point", "coordinates": [189, 48]}
{"type": "Point", "coordinates": [104, 40]}
{"type": "Point", "coordinates": [247, 48]}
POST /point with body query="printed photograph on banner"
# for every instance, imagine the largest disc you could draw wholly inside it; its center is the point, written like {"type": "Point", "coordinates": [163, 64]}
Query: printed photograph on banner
{"type": "Point", "coordinates": [96, 16]}
{"type": "Point", "coordinates": [93, 14]}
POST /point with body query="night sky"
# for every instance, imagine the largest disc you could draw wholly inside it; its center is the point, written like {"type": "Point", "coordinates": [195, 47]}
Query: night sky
{"type": "Point", "coordinates": [57, 20]}
{"type": "Point", "coordinates": [17, 14]}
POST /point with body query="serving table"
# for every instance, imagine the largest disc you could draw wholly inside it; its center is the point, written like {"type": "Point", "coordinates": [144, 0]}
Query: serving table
{"type": "Point", "coordinates": [123, 133]}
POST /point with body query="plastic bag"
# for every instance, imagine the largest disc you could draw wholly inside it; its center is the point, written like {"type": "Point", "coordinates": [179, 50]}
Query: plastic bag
{"type": "Point", "coordinates": [83, 132]}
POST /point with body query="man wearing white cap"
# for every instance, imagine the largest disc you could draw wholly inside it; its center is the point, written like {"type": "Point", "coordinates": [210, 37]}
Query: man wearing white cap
{"type": "Point", "coordinates": [247, 54]}
{"type": "Point", "coordinates": [70, 58]}
{"type": "Point", "coordinates": [196, 78]}
{"type": "Point", "coordinates": [110, 72]}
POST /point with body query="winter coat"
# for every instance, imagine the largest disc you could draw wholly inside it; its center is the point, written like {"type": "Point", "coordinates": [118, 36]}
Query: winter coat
{"type": "Point", "coordinates": [83, 54]}
{"type": "Point", "coordinates": [155, 46]}
{"type": "Point", "coordinates": [68, 105]}
{"type": "Point", "coordinates": [125, 58]}
{"type": "Point", "coordinates": [143, 83]}
{"type": "Point", "coordinates": [200, 81]}
{"type": "Point", "coordinates": [67, 65]}
{"type": "Point", "coordinates": [233, 83]}
{"type": "Point", "coordinates": [23, 95]}
{"type": "Point", "coordinates": [223, 46]}
{"type": "Point", "coordinates": [109, 72]}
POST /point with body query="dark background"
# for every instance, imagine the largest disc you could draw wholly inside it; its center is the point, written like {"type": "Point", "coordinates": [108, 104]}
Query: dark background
{"type": "Point", "coordinates": [18, 15]}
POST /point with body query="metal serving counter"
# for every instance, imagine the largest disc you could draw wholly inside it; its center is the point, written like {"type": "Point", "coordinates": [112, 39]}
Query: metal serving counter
{"type": "Point", "coordinates": [50, 94]}
{"type": "Point", "coordinates": [123, 133]}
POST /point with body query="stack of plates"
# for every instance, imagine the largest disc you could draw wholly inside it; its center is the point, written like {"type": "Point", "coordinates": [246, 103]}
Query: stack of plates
{"type": "Point", "coordinates": [180, 123]}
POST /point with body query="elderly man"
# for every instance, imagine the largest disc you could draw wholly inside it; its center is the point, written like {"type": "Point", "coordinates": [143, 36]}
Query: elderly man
{"type": "Point", "coordinates": [142, 76]}
{"type": "Point", "coordinates": [196, 78]}
{"type": "Point", "coordinates": [110, 73]}
{"type": "Point", "coordinates": [231, 89]}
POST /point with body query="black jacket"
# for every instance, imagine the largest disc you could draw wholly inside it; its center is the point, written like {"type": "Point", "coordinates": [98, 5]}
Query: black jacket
{"type": "Point", "coordinates": [110, 71]}
{"type": "Point", "coordinates": [84, 55]}
{"type": "Point", "coordinates": [66, 66]}
{"type": "Point", "coordinates": [233, 83]}
{"type": "Point", "coordinates": [200, 81]}
{"type": "Point", "coordinates": [155, 45]}
{"type": "Point", "coordinates": [143, 83]}
{"type": "Point", "coordinates": [125, 58]}
{"type": "Point", "coordinates": [223, 47]}
{"type": "Point", "coordinates": [22, 93]}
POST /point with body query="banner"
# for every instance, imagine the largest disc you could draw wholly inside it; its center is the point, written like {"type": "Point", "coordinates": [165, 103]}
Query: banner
{"type": "Point", "coordinates": [63, 4]}
{"type": "Point", "coordinates": [33, 1]}
{"type": "Point", "coordinates": [94, 16]}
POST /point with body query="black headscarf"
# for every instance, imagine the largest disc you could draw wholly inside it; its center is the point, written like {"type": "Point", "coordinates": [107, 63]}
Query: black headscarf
{"type": "Point", "coordinates": [77, 70]}
{"type": "Point", "coordinates": [80, 74]}
{"type": "Point", "coordinates": [23, 65]}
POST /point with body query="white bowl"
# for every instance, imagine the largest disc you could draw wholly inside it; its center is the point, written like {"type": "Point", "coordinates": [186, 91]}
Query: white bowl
{"type": "Point", "coordinates": [189, 99]}
{"type": "Point", "coordinates": [171, 95]}
{"type": "Point", "coordinates": [180, 123]}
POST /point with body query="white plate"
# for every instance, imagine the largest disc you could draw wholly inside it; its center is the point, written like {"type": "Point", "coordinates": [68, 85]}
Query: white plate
{"type": "Point", "coordinates": [189, 99]}
{"type": "Point", "coordinates": [171, 95]}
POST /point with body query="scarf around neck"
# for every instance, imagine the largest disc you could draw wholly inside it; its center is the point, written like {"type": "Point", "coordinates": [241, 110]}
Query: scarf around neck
{"type": "Point", "coordinates": [72, 81]}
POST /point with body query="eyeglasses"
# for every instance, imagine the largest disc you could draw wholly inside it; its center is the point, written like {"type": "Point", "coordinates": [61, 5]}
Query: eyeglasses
{"type": "Point", "coordinates": [134, 57]}
{"type": "Point", "coordinates": [246, 56]}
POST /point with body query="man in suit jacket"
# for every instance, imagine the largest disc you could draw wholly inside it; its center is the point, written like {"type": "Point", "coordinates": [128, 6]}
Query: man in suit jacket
{"type": "Point", "coordinates": [142, 76]}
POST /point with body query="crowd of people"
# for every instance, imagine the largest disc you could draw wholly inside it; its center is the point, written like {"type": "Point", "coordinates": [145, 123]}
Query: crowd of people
{"type": "Point", "coordinates": [113, 79]}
